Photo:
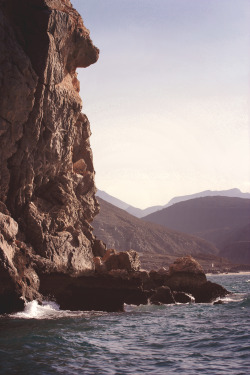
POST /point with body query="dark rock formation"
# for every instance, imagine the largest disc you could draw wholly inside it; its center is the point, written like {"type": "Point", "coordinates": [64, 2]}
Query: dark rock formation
{"type": "Point", "coordinates": [182, 297]}
{"type": "Point", "coordinates": [186, 275]}
{"type": "Point", "coordinates": [109, 291]}
{"type": "Point", "coordinates": [47, 191]}
{"type": "Point", "coordinates": [162, 295]}
{"type": "Point", "coordinates": [47, 185]}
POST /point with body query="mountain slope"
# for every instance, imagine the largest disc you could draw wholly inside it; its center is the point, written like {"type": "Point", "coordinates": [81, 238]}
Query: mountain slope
{"type": "Point", "coordinates": [210, 193]}
{"type": "Point", "coordinates": [157, 245]}
{"type": "Point", "coordinates": [237, 245]}
{"type": "Point", "coordinates": [138, 212]}
{"type": "Point", "coordinates": [212, 218]}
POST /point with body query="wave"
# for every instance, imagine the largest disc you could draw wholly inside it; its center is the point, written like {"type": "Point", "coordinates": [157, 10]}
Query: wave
{"type": "Point", "coordinates": [50, 310]}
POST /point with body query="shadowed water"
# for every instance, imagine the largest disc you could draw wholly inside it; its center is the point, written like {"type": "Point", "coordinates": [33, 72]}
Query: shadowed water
{"type": "Point", "coordinates": [172, 339]}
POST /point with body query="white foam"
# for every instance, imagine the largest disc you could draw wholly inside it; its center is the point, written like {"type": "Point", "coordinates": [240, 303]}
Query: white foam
{"type": "Point", "coordinates": [36, 311]}
{"type": "Point", "coordinates": [237, 297]}
{"type": "Point", "coordinates": [51, 310]}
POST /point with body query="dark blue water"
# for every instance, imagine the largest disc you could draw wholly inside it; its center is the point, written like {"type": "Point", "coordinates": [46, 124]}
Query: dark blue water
{"type": "Point", "coordinates": [173, 339]}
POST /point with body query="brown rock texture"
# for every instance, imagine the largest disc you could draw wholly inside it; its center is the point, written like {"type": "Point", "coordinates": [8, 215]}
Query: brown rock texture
{"type": "Point", "coordinates": [47, 189]}
{"type": "Point", "coordinates": [47, 174]}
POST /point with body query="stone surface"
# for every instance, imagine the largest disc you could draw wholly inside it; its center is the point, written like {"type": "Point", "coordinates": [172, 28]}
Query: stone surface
{"type": "Point", "coordinates": [127, 260]}
{"type": "Point", "coordinates": [182, 297]}
{"type": "Point", "coordinates": [186, 275]}
{"type": "Point", "coordinates": [162, 295]}
{"type": "Point", "coordinates": [47, 174]}
{"type": "Point", "coordinates": [46, 169]}
{"type": "Point", "coordinates": [47, 190]}
{"type": "Point", "coordinates": [17, 276]}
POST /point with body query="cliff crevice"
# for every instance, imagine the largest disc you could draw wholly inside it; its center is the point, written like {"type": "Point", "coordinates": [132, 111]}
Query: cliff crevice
{"type": "Point", "coordinates": [46, 172]}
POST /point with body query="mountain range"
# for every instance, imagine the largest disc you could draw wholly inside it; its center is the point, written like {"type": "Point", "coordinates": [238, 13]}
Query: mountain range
{"type": "Point", "coordinates": [147, 211]}
{"type": "Point", "coordinates": [222, 221]}
{"type": "Point", "coordinates": [157, 246]}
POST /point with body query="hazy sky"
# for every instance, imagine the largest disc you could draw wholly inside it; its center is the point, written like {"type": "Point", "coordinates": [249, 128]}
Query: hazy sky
{"type": "Point", "coordinates": [168, 100]}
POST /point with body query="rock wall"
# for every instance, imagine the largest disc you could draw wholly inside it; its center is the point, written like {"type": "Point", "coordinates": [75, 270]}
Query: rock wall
{"type": "Point", "coordinates": [47, 190]}
{"type": "Point", "coordinates": [47, 187]}
{"type": "Point", "coordinates": [46, 170]}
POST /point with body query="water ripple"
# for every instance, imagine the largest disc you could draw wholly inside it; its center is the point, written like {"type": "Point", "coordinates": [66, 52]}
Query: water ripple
{"type": "Point", "coordinates": [184, 339]}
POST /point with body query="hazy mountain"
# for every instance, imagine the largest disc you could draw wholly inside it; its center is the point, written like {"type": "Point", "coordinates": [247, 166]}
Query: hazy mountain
{"type": "Point", "coordinates": [147, 211]}
{"type": "Point", "coordinates": [109, 198]}
{"type": "Point", "coordinates": [236, 245]}
{"type": "Point", "coordinates": [137, 212]}
{"type": "Point", "coordinates": [220, 220]}
{"type": "Point", "coordinates": [158, 246]}
{"type": "Point", "coordinates": [210, 193]}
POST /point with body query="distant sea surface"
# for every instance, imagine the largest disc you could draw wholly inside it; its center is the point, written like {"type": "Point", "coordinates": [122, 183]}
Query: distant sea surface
{"type": "Point", "coordinates": [172, 339]}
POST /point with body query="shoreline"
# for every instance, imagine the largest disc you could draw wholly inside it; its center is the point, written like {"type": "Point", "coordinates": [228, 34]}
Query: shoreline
{"type": "Point", "coordinates": [228, 273]}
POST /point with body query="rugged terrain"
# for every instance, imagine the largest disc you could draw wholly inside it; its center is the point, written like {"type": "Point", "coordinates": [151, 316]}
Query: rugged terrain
{"type": "Point", "coordinates": [157, 245]}
{"type": "Point", "coordinates": [223, 221]}
{"type": "Point", "coordinates": [138, 212]}
{"type": "Point", "coordinates": [47, 190]}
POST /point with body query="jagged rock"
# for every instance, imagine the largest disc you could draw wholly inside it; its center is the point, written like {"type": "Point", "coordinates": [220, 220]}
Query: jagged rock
{"type": "Point", "coordinates": [182, 297]}
{"type": "Point", "coordinates": [47, 190]}
{"type": "Point", "coordinates": [47, 178]}
{"type": "Point", "coordinates": [186, 275]}
{"type": "Point", "coordinates": [162, 295]}
{"type": "Point", "coordinates": [127, 260]}
{"type": "Point", "coordinates": [18, 280]}
{"type": "Point", "coordinates": [99, 248]}
{"type": "Point", "coordinates": [208, 292]}
{"type": "Point", "coordinates": [8, 227]}
{"type": "Point", "coordinates": [103, 292]}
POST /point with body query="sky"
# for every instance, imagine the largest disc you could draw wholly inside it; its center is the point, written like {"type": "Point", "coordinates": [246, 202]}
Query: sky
{"type": "Point", "coordinates": [168, 99]}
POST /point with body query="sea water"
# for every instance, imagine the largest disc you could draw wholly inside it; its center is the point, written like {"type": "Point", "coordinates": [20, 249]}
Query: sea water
{"type": "Point", "coordinates": [170, 339]}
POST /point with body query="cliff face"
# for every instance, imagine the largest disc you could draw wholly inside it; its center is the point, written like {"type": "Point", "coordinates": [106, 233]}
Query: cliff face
{"type": "Point", "coordinates": [47, 189]}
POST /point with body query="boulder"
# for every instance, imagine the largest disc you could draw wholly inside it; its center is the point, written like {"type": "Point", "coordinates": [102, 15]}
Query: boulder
{"type": "Point", "coordinates": [18, 280]}
{"type": "Point", "coordinates": [124, 260]}
{"type": "Point", "coordinates": [162, 295]}
{"type": "Point", "coordinates": [186, 275]}
{"type": "Point", "coordinates": [99, 248]}
{"type": "Point", "coordinates": [182, 297]}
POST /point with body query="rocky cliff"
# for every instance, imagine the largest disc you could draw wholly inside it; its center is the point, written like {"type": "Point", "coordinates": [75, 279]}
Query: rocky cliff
{"type": "Point", "coordinates": [47, 190]}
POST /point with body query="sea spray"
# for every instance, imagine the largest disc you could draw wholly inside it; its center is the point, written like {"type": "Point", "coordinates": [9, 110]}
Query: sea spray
{"type": "Point", "coordinates": [51, 310]}
{"type": "Point", "coordinates": [193, 339]}
{"type": "Point", "coordinates": [36, 311]}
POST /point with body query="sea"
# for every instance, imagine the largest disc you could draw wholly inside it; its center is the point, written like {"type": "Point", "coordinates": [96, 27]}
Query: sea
{"type": "Point", "coordinates": [168, 339]}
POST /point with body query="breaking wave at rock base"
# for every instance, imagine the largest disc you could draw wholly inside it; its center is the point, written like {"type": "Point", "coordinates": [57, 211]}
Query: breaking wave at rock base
{"type": "Point", "coordinates": [148, 339]}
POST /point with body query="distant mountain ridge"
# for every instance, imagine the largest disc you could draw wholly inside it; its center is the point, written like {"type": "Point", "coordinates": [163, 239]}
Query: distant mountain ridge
{"type": "Point", "coordinates": [157, 246]}
{"type": "Point", "coordinates": [224, 221]}
{"type": "Point", "coordinates": [210, 193]}
{"type": "Point", "coordinates": [137, 212]}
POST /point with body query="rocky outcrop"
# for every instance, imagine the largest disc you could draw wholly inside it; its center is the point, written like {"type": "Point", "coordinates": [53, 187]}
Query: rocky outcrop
{"type": "Point", "coordinates": [46, 170]}
{"type": "Point", "coordinates": [47, 175]}
{"type": "Point", "coordinates": [109, 291]}
{"type": "Point", "coordinates": [113, 260]}
{"type": "Point", "coordinates": [186, 275]}
{"type": "Point", "coordinates": [17, 276]}
{"type": "Point", "coordinates": [47, 190]}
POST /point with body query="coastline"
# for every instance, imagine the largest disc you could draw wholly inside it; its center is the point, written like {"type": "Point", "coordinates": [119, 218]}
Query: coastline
{"type": "Point", "coordinates": [228, 273]}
